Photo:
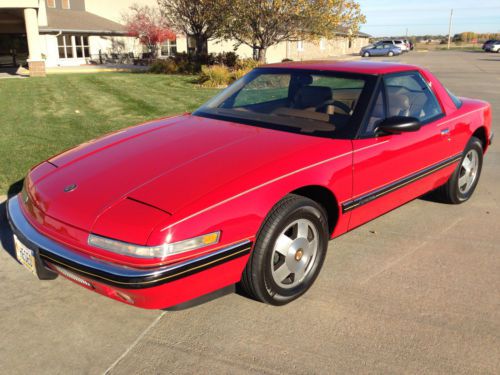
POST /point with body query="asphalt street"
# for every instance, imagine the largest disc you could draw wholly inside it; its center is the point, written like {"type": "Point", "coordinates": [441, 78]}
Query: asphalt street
{"type": "Point", "coordinates": [414, 291]}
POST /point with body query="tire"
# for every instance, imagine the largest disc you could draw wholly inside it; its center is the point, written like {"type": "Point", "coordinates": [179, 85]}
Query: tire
{"type": "Point", "coordinates": [366, 54]}
{"type": "Point", "coordinates": [456, 191]}
{"type": "Point", "coordinates": [270, 276]}
{"type": "Point", "coordinates": [390, 54]}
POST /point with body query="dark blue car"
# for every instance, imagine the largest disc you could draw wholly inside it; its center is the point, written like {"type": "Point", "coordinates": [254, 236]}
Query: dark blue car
{"type": "Point", "coordinates": [384, 49]}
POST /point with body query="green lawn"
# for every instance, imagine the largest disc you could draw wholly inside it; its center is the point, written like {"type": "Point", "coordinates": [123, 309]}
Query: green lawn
{"type": "Point", "coordinates": [41, 117]}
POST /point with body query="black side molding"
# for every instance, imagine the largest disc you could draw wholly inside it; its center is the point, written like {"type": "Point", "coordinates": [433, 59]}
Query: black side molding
{"type": "Point", "coordinates": [369, 197]}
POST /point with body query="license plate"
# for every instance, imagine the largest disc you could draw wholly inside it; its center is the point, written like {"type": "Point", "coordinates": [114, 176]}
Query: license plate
{"type": "Point", "coordinates": [25, 256]}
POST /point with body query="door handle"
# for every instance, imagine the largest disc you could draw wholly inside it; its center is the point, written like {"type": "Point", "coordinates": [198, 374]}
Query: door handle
{"type": "Point", "coordinates": [445, 131]}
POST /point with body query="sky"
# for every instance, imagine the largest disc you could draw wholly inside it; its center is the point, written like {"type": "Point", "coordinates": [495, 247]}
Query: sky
{"type": "Point", "coordinates": [393, 17]}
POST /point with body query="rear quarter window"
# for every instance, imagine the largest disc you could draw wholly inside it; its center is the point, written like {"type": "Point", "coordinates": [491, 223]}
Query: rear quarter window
{"type": "Point", "coordinates": [456, 100]}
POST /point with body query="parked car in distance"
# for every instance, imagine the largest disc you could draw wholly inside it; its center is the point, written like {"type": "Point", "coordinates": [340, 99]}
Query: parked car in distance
{"type": "Point", "coordinates": [493, 46]}
{"type": "Point", "coordinates": [487, 43]}
{"type": "Point", "coordinates": [396, 42]}
{"type": "Point", "coordinates": [251, 186]}
{"type": "Point", "coordinates": [380, 49]}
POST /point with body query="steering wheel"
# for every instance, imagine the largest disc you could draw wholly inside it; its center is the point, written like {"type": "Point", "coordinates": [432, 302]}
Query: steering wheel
{"type": "Point", "coordinates": [335, 103]}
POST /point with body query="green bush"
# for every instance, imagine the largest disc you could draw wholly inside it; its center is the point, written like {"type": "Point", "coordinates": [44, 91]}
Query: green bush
{"type": "Point", "coordinates": [229, 59]}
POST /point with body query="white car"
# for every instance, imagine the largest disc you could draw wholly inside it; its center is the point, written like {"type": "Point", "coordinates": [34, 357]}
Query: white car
{"type": "Point", "coordinates": [493, 47]}
{"type": "Point", "coordinates": [397, 42]}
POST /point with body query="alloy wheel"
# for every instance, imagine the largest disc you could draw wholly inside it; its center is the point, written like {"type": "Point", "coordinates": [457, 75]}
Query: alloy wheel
{"type": "Point", "coordinates": [294, 253]}
{"type": "Point", "coordinates": [468, 171]}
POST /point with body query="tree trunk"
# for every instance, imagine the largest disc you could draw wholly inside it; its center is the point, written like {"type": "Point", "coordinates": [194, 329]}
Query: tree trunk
{"type": "Point", "coordinates": [201, 45]}
{"type": "Point", "coordinates": [154, 51]}
{"type": "Point", "coordinates": [262, 55]}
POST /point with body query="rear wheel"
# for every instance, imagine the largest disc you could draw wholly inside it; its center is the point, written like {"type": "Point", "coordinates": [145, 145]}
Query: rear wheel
{"type": "Point", "coordinates": [390, 54]}
{"type": "Point", "coordinates": [289, 251]}
{"type": "Point", "coordinates": [464, 179]}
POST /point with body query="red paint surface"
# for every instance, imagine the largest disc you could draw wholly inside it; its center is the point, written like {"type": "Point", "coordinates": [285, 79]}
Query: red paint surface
{"type": "Point", "coordinates": [185, 176]}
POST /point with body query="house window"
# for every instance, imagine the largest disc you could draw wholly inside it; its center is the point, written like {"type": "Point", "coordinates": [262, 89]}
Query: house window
{"type": "Point", "coordinates": [65, 46]}
{"type": "Point", "coordinates": [300, 46]}
{"type": "Point", "coordinates": [169, 48]}
{"type": "Point", "coordinates": [65, 4]}
{"type": "Point", "coordinates": [70, 45]}
{"type": "Point", "coordinates": [51, 3]}
{"type": "Point", "coordinates": [82, 46]}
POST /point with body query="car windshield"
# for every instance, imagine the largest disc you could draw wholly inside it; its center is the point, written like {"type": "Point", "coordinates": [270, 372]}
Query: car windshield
{"type": "Point", "coordinates": [310, 102]}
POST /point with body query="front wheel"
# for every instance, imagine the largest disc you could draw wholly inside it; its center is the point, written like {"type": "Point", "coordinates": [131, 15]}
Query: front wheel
{"type": "Point", "coordinates": [464, 179]}
{"type": "Point", "coordinates": [366, 54]}
{"type": "Point", "coordinates": [390, 54]}
{"type": "Point", "coordinates": [289, 251]}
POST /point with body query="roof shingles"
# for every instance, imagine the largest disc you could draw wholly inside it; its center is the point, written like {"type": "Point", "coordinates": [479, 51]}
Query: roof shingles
{"type": "Point", "coordinates": [81, 21]}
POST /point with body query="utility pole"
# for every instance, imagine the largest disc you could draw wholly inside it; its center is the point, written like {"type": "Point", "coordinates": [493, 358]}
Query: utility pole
{"type": "Point", "coordinates": [449, 29]}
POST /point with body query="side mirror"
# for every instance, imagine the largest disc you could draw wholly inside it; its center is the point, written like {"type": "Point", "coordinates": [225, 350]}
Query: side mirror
{"type": "Point", "coordinates": [398, 124]}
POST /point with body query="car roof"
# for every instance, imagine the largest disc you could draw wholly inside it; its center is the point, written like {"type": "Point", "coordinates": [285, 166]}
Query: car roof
{"type": "Point", "coordinates": [359, 66]}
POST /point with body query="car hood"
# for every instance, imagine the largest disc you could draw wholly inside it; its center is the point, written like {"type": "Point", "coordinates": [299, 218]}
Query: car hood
{"type": "Point", "coordinates": [165, 164]}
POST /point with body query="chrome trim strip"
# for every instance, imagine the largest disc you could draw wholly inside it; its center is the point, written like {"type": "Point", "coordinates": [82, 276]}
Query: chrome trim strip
{"type": "Point", "coordinates": [108, 273]}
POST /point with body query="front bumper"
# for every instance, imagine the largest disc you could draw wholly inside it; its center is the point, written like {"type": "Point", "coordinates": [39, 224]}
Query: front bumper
{"type": "Point", "coordinates": [51, 253]}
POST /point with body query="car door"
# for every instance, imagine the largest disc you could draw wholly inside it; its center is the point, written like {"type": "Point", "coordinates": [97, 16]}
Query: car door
{"type": "Point", "coordinates": [389, 170]}
{"type": "Point", "coordinates": [380, 50]}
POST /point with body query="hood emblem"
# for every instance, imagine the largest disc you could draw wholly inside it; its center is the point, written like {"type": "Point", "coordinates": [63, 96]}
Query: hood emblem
{"type": "Point", "coordinates": [69, 188]}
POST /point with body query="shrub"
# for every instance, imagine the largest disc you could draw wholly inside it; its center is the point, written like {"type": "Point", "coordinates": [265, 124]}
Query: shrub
{"type": "Point", "coordinates": [166, 66]}
{"type": "Point", "coordinates": [246, 64]}
{"type": "Point", "coordinates": [229, 59]}
{"type": "Point", "coordinates": [237, 74]}
{"type": "Point", "coordinates": [215, 76]}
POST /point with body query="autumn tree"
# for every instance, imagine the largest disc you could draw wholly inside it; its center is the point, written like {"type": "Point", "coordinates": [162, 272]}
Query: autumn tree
{"type": "Point", "coordinates": [200, 19]}
{"type": "Point", "coordinates": [148, 24]}
{"type": "Point", "coordinates": [261, 24]}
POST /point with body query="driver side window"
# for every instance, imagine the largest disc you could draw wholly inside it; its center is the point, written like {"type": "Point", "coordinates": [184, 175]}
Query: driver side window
{"type": "Point", "coordinates": [407, 95]}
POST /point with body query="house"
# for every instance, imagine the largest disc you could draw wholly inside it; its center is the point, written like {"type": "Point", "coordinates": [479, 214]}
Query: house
{"type": "Point", "coordinates": [48, 33]}
{"type": "Point", "coordinates": [57, 33]}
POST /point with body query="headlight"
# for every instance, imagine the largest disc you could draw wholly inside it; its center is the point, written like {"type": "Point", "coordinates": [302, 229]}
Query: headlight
{"type": "Point", "coordinates": [161, 251]}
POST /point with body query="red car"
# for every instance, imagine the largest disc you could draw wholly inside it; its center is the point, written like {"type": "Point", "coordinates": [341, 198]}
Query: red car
{"type": "Point", "coordinates": [251, 186]}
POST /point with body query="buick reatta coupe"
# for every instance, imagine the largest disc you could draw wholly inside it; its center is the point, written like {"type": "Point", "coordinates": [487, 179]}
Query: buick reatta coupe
{"type": "Point", "coordinates": [250, 187]}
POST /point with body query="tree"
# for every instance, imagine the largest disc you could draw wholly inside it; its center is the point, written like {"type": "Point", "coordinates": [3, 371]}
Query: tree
{"type": "Point", "coordinates": [147, 24]}
{"type": "Point", "coordinates": [264, 23]}
{"type": "Point", "coordinates": [200, 19]}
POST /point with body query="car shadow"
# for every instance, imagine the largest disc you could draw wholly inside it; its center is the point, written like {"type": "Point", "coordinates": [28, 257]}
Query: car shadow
{"type": "Point", "coordinates": [6, 235]}
{"type": "Point", "coordinates": [15, 188]}
{"type": "Point", "coordinates": [203, 299]}
{"type": "Point", "coordinates": [433, 196]}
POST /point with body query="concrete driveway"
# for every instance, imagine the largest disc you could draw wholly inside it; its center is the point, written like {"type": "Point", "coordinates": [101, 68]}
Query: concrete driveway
{"type": "Point", "coordinates": [415, 291]}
